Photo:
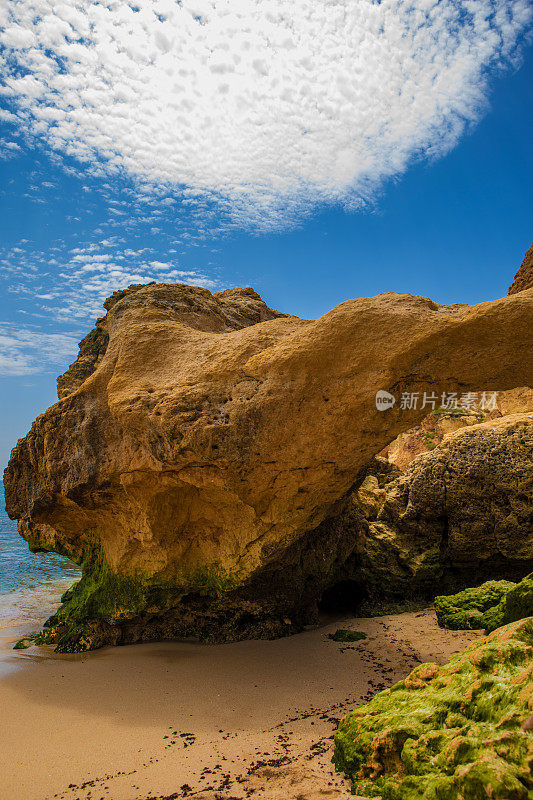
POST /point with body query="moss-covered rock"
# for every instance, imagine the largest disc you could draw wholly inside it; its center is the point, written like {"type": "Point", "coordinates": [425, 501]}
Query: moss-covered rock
{"type": "Point", "coordinates": [345, 635]}
{"type": "Point", "coordinates": [515, 604]}
{"type": "Point", "coordinates": [449, 733]}
{"type": "Point", "coordinates": [110, 608]}
{"type": "Point", "coordinates": [465, 610]}
{"type": "Point", "coordinates": [24, 644]}
{"type": "Point", "coordinates": [488, 606]}
{"type": "Point", "coordinates": [104, 600]}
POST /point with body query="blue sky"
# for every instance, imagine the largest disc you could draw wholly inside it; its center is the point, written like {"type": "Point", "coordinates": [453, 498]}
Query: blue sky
{"type": "Point", "coordinates": [433, 199]}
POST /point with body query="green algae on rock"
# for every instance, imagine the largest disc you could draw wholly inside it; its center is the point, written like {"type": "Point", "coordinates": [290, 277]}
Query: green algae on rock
{"type": "Point", "coordinates": [465, 609]}
{"type": "Point", "coordinates": [345, 635]}
{"type": "Point", "coordinates": [449, 733]}
{"type": "Point", "coordinates": [488, 606]}
{"type": "Point", "coordinates": [517, 603]}
{"type": "Point", "coordinates": [23, 644]}
{"type": "Point", "coordinates": [104, 600]}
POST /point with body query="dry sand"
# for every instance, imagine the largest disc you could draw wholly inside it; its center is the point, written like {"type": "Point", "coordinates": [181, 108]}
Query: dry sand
{"type": "Point", "coordinates": [223, 721]}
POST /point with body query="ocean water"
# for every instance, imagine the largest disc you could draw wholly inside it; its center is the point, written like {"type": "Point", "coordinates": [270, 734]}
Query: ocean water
{"type": "Point", "coordinates": [31, 584]}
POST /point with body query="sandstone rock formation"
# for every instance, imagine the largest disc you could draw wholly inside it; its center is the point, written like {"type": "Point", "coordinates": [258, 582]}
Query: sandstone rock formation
{"type": "Point", "coordinates": [429, 434]}
{"type": "Point", "coordinates": [458, 731]}
{"type": "Point", "coordinates": [198, 472]}
{"type": "Point", "coordinates": [197, 308]}
{"type": "Point", "coordinates": [524, 277]}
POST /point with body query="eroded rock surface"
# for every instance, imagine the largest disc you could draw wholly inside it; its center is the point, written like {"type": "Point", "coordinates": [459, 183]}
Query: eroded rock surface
{"type": "Point", "coordinates": [198, 473]}
{"type": "Point", "coordinates": [443, 421]}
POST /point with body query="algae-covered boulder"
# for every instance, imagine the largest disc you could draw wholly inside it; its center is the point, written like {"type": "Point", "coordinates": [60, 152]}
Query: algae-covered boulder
{"type": "Point", "coordinates": [449, 733]}
{"type": "Point", "coordinates": [465, 610]}
{"type": "Point", "coordinates": [488, 606]}
{"type": "Point", "coordinates": [515, 604]}
{"type": "Point", "coordinates": [345, 635]}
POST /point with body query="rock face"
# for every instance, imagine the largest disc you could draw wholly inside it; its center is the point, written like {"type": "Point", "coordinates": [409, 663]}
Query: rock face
{"type": "Point", "coordinates": [460, 514]}
{"type": "Point", "coordinates": [197, 308]}
{"type": "Point", "coordinates": [440, 423]}
{"type": "Point", "coordinates": [458, 731]}
{"type": "Point", "coordinates": [199, 472]}
{"type": "Point", "coordinates": [429, 434]}
{"type": "Point", "coordinates": [524, 277]}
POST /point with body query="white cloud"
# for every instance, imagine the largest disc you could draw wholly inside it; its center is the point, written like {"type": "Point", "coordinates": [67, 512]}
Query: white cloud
{"type": "Point", "coordinates": [24, 351]}
{"type": "Point", "coordinates": [85, 257]}
{"type": "Point", "coordinates": [160, 266]}
{"type": "Point", "coordinates": [86, 286]}
{"type": "Point", "coordinates": [8, 149]}
{"type": "Point", "coordinates": [7, 116]}
{"type": "Point", "coordinates": [263, 107]}
{"type": "Point", "coordinates": [82, 278]}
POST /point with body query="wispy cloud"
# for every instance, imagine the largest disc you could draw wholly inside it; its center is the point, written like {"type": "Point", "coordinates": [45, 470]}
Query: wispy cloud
{"type": "Point", "coordinates": [25, 350]}
{"type": "Point", "coordinates": [262, 109]}
{"type": "Point", "coordinates": [83, 277]}
{"type": "Point", "coordinates": [86, 286]}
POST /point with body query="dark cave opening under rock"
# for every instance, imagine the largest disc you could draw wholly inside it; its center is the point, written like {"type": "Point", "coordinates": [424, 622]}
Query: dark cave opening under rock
{"type": "Point", "coordinates": [344, 596]}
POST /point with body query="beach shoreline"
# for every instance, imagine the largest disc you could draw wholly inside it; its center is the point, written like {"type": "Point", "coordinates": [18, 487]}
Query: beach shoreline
{"type": "Point", "coordinates": [23, 613]}
{"type": "Point", "coordinates": [253, 718]}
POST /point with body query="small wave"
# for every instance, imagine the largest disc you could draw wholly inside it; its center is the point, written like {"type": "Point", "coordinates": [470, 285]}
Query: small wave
{"type": "Point", "coordinates": [31, 584]}
{"type": "Point", "coordinates": [32, 605]}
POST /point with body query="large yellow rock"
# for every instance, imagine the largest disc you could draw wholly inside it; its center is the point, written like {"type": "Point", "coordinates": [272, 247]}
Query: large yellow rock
{"type": "Point", "coordinates": [214, 434]}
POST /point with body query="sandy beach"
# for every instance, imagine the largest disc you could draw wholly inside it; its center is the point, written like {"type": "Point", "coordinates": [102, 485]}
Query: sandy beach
{"type": "Point", "coordinates": [254, 718]}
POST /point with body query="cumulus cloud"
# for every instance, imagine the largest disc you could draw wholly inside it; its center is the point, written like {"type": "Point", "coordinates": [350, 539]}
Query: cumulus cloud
{"type": "Point", "coordinates": [24, 350]}
{"type": "Point", "coordinates": [264, 108]}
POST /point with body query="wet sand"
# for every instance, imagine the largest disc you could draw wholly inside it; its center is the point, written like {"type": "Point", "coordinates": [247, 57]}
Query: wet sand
{"type": "Point", "coordinates": [251, 719]}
